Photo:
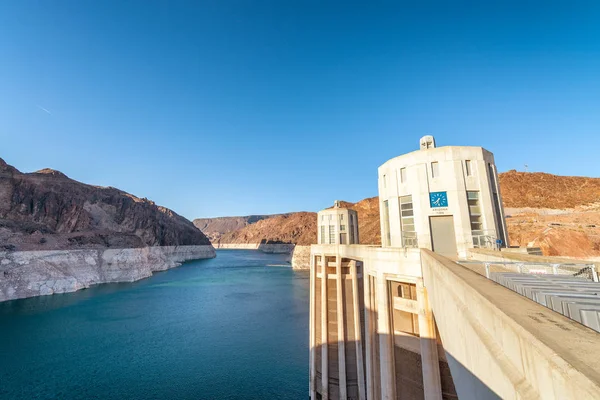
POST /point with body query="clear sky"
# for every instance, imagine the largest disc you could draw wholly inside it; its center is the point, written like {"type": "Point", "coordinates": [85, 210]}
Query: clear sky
{"type": "Point", "coordinates": [244, 107]}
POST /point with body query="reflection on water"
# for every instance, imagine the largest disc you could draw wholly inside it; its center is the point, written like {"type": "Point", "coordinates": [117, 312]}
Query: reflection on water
{"type": "Point", "coordinates": [232, 327]}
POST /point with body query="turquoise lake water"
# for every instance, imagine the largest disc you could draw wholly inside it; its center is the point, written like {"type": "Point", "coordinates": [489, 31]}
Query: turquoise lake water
{"type": "Point", "coordinates": [233, 327]}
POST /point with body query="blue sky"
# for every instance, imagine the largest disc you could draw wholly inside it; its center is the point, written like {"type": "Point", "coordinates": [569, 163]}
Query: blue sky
{"type": "Point", "coordinates": [245, 107]}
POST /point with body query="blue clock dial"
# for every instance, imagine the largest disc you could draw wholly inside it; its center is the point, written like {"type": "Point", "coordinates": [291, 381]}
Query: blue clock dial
{"type": "Point", "coordinates": [438, 199]}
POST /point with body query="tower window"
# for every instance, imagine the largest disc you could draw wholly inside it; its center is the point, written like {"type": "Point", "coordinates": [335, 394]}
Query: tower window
{"type": "Point", "coordinates": [386, 223]}
{"type": "Point", "coordinates": [407, 222]}
{"type": "Point", "coordinates": [479, 239]}
{"type": "Point", "coordinates": [402, 175]}
{"type": "Point", "coordinates": [435, 169]}
{"type": "Point", "coordinates": [469, 168]}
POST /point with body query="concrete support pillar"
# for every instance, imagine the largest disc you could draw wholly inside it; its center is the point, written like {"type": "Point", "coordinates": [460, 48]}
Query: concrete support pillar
{"type": "Point", "coordinates": [357, 331]}
{"type": "Point", "coordinates": [340, 329]}
{"type": "Point", "coordinates": [386, 341]}
{"type": "Point", "coordinates": [432, 384]}
{"type": "Point", "coordinates": [370, 332]}
{"type": "Point", "coordinates": [324, 331]}
{"type": "Point", "coordinates": [312, 339]}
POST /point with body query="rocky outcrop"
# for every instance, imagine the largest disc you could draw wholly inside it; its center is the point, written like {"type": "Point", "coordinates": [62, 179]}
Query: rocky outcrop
{"type": "Point", "coordinates": [541, 190]}
{"type": "Point", "coordinates": [35, 273]}
{"type": "Point", "coordinates": [48, 210]}
{"type": "Point", "coordinates": [301, 257]}
{"type": "Point", "coordinates": [293, 228]}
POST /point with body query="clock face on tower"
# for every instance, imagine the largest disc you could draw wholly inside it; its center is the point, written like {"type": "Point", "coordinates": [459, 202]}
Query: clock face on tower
{"type": "Point", "coordinates": [438, 199]}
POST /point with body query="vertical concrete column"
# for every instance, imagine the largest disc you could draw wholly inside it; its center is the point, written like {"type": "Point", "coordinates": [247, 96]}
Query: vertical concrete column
{"type": "Point", "coordinates": [432, 384]}
{"type": "Point", "coordinates": [340, 328]}
{"type": "Point", "coordinates": [357, 331]}
{"type": "Point", "coordinates": [369, 333]}
{"type": "Point", "coordinates": [386, 337]}
{"type": "Point", "coordinates": [312, 339]}
{"type": "Point", "coordinates": [324, 331]}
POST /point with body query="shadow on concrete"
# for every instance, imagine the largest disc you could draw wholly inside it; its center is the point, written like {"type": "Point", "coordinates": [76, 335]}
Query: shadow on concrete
{"type": "Point", "coordinates": [405, 370]}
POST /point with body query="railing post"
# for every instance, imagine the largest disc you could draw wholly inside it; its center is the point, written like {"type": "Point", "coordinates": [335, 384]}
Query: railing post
{"type": "Point", "coordinates": [487, 270]}
{"type": "Point", "coordinates": [520, 268]}
{"type": "Point", "coordinates": [555, 269]}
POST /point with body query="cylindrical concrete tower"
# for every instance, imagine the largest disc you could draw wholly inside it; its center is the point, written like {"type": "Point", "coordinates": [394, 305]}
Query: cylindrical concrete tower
{"type": "Point", "coordinates": [445, 199]}
{"type": "Point", "coordinates": [338, 225]}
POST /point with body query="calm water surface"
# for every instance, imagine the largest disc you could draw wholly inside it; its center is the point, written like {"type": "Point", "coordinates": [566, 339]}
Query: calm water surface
{"type": "Point", "coordinates": [234, 327]}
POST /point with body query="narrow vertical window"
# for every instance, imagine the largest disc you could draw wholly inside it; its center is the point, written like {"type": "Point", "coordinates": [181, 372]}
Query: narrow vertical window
{"type": "Point", "coordinates": [331, 234]}
{"type": "Point", "coordinates": [384, 181]}
{"type": "Point", "coordinates": [323, 241]}
{"type": "Point", "coordinates": [386, 223]}
{"type": "Point", "coordinates": [479, 239]}
{"type": "Point", "coordinates": [435, 169]}
{"type": "Point", "coordinates": [407, 222]}
{"type": "Point", "coordinates": [468, 168]}
{"type": "Point", "coordinates": [402, 175]}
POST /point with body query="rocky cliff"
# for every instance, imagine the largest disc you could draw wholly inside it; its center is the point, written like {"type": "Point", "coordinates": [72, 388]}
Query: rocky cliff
{"type": "Point", "coordinates": [47, 210]}
{"type": "Point", "coordinates": [559, 214]}
{"type": "Point", "coordinates": [541, 190]}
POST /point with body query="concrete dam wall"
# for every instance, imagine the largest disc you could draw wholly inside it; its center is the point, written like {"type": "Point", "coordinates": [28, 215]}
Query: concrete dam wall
{"type": "Point", "coordinates": [301, 257]}
{"type": "Point", "coordinates": [275, 248]}
{"type": "Point", "coordinates": [37, 273]}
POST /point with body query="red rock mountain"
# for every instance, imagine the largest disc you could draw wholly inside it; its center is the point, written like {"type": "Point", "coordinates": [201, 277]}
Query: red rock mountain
{"type": "Point", "coordinates": [48, 210]}
{"type": "Point", "coordinates": [214, 228]}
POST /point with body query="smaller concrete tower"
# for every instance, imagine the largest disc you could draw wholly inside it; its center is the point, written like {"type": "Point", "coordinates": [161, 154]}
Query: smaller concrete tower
{"type": "Point", "coordinates": [338, 225]}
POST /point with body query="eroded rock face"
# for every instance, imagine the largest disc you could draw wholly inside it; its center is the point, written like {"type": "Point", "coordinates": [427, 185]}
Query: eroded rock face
{"type": "Point", "coordinates": [47, 210]}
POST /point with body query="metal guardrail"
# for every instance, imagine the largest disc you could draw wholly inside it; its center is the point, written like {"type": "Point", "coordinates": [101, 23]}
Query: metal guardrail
{"type": "Point", "coordinates": [485, 240]}
{"type": "Point", "coordinates": [409, 239]}
{"type": "Point", "coordinates": [584, 271]}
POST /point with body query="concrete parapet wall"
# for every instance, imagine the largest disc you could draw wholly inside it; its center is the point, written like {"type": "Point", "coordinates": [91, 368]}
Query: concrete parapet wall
{"type": "Point", "coordinates": [301, 257]}
{"type": "Point", "coordinates": [36, 273]}
{"type": "Point", "coordinates": [377, 260]}
{"type": "Point", "coordinates": [502, 345]}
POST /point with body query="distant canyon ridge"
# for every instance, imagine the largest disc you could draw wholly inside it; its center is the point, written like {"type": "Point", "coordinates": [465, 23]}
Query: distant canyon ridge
{"type": "Point", "coordinates": [559, 214]}
{"type": "Point", "coordinates": [47, 210]}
